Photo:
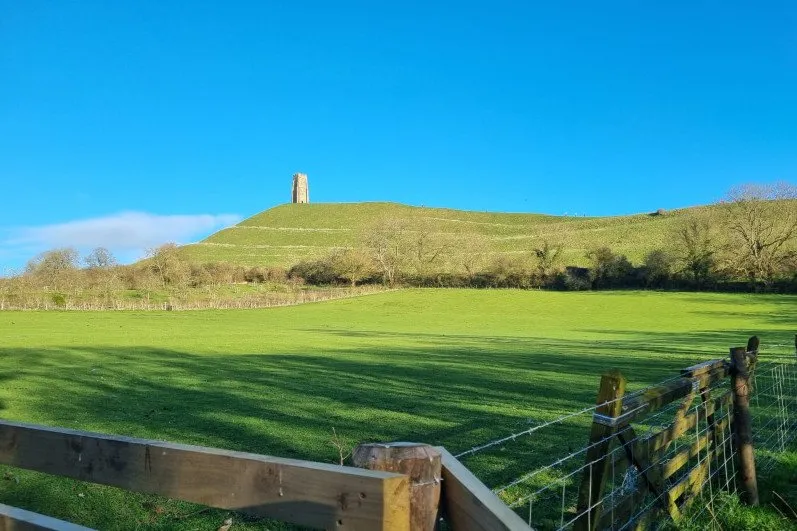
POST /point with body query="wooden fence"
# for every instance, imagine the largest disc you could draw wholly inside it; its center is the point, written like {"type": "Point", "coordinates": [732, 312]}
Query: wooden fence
{"type": "Point", "coordinates": [409, 486]}
{"type": "Point", "coordinates": [670, 480]}
{"type": "Point", "coordinates": [316, 495]}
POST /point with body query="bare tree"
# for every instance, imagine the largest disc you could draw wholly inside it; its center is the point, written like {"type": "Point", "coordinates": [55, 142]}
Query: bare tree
{"type": "Point", "coordinates": [102, 272]}
{"type": "Point", "coordinates": [55, 268]}
{"type": "Point", "coordinates": [762, 223]}
{"type": "Point", "coordinates": [169, 265]}
{"type": "Point", "coordinates": [386, 242]}
{"type": "Point", "coordinates": [428, 249]}
{"type": "Point", "coordinates": [100, 258]}
{"type": "Point", "coordinates": [20, 292]}
{"type": "Point", "coordinates": [5, 292]}
{"type": "Point", "coordinates": [472, 250]}
{"type": "Point", "coordinates": [353, 265]}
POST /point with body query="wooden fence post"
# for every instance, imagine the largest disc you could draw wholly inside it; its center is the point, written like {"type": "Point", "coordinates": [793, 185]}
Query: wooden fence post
{"type": "Point", "coordinates": [742, 425]}
{"type": "Point", "coordinates": [422, 463]}
{"type": "Point", "coordinates": [593, 482]}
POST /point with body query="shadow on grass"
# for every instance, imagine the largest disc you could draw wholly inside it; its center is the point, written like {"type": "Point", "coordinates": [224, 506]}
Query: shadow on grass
{"type": "Point", "coordinates": [455, 391]}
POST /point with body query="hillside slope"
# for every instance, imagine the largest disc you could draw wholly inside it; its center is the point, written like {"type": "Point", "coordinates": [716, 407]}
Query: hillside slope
{"type": "Point", "coordinates": [286, 234]}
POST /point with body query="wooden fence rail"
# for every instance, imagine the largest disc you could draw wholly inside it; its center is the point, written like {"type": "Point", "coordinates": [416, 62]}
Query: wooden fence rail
{"type": "Point", "coordinates": [15, 519]}
{"type": "Point", "coordinates": [409, 486]}
{"type": "Point", "coordinates": [301, 492]}
{"type": "Point", "coordinates": [665, 475]}
{"type": "Point", "coordinates": [317, 495]}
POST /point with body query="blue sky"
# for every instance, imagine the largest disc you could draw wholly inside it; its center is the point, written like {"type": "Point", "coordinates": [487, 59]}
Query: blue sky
{"type": "Point", "coordinates": [128, 124]}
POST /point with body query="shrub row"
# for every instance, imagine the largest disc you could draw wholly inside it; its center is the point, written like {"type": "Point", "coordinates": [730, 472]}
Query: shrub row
{"type": "Point", "coordinates": [607, 270]}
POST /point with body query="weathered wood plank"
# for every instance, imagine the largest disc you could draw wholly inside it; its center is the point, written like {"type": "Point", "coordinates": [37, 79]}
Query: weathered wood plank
{"type": "Point", "coordinates": [677, 462]}
{"type": "Point", "coordinates": [617, 515]}
{"type": "Point", "coordinates": [16, 519]}
{"type": "Point", "coordinates": [702, 368]}
{"type": "Point", "coordinates": [598, 460]}
{"type": "Point", "coordinates": [707, 379]}
{"type": "Point", "coordinates": [469, 505]}
{"type": "Point", "coordinates": [743, 426]}
{"type": "Point", "coordinates": [651, 474]}
{"type": "Point", "coordinates": [660, 439]}
{"type": "Point", "coordinates": [654, 398]}
{"type": "Point", "coordinates": [302, 492]}
{"type": "Point", "coordinates": [696, 477]}
{"type": "Point", "coordinates": [658, 396]}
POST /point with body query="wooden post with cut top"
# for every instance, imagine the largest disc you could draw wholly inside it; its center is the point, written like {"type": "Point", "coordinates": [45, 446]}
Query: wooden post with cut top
{"type": "Point", "coordinates": [422, 463]}
{"type": "Point", "coordinates": [742, 426]}
{"type": "Point", "coordinates": [593, 482]}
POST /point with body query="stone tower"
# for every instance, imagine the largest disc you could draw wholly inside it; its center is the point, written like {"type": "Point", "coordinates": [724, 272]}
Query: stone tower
{"type": "Point", "coordinates": [300, 192]}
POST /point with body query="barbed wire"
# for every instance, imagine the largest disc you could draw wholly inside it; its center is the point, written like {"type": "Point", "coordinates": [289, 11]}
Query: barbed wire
{"type": "Point", "coordinates": [700, 459]}
{"type": "Point", "coordinates": [558, 420]}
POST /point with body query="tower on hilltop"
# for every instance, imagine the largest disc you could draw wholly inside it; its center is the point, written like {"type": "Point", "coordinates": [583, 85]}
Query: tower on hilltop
{"type": "Point", "coordinates": [300, 192]}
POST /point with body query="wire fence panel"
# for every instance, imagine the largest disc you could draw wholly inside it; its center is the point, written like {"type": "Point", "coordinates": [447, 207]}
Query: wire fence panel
{"type": "Point", "coordinates": [671, 445]}
{"type": "Point", "coordinates": [775, 409]}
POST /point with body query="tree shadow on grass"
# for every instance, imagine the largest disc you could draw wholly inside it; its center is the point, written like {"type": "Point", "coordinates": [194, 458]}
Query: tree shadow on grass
{"type": "Point", "coordinates": [455, 391]}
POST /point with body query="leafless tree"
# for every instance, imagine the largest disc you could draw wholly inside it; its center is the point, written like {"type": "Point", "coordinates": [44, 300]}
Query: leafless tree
{"type": "Point", "coordinates": [169, 265]}
{"type": "Point", "coordinates": [55, 268]}
{"type": "Point", "coordinates": [762, 224]}
{"type": "Point", "coordinates": [472, 252]}
{"type": "Point", "coordinates": [100, 258]}
{"type": "Point", "coordinates": [5, 292]}
{"type": "Point", "coordinates": [427, 248]}
{"type": "Point", "coordinates": [386, 242]}
{"type": "Point", "coordinates": [353, 265]}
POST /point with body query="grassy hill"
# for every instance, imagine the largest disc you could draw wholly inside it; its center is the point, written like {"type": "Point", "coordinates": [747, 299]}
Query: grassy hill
{"type": "Point", "coordinates": [286, 234]}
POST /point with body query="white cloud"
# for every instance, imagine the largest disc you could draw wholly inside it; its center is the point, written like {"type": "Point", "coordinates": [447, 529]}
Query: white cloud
{"type": "Point", "coordinates": [126, 232]}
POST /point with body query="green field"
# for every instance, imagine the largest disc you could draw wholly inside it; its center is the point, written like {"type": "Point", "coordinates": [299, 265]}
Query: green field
{"type": "Point", "coordinates": [286, 234]}
{"type": "Point", "coordinates": [450, 367]}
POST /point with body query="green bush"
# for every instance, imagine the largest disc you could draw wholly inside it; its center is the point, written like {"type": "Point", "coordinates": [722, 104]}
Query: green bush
{"type": "Point", "coordinates": [611, 270]}
{"type": "Point", "coordinates": [316, 272]}
{"type": "Point", "coordinates": [59, 299]}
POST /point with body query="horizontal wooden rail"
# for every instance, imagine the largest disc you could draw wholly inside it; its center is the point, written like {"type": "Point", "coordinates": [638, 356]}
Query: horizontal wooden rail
{"type": "Point", "coordinates": [657, 440]}
{"type": "Point", "coordinates": [300, 492]}
{"type": "Point", "coordinates": [469, 505]}
{"type": "Point", "coordinates": [679, 460]}
{"type": "Point", "coordinates": [658, 396]}
{"type": "Point", "coordinates": [15, 519]}
{"type": "Point", "coordinates": [703, 368]}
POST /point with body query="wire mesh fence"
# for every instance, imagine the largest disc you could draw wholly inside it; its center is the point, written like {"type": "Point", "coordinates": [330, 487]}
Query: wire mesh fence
{"type": "Point", "coordinates": [675, 447]}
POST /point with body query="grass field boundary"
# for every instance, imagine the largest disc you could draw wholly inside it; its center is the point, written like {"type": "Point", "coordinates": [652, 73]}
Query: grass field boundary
{"type": "Point", "coordinates": [653, 453]}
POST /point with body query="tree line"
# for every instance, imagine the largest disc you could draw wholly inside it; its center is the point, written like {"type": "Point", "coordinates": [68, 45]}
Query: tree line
{"type": "Point", "coordinates": [748, 242]}
{"type": "Point", "coordinates": [61, 278]}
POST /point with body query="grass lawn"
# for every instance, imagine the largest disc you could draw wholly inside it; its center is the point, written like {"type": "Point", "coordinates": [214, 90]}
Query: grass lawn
{"type": "Point", "coordinates": [450, 367]}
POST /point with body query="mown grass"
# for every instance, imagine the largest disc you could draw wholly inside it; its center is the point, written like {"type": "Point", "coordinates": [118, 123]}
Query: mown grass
{"type": "Point", "coordinates": [286, 234]}
{"type": "Point", "coordinates": [450, 367]}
